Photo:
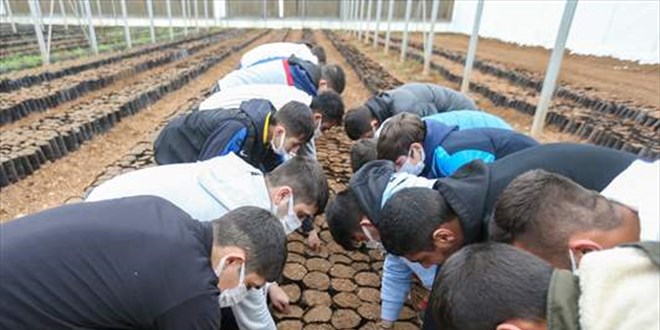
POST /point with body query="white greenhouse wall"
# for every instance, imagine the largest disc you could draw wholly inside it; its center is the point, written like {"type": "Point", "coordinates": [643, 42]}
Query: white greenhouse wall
{"type": "Point", "coordinates": [625, 29]}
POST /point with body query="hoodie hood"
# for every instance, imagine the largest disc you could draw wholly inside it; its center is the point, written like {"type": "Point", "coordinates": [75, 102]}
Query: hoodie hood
{"type": "Point", "coordinates": [233, 183]}
{"type": "Point", "coordinates": [369, 184]}
{"type": "Point", "coordinates": [466, 193]}
{"type": "Point", "coordinates": [257, 111]}
{"type": "Point", "coordinates": [380, 107]}
{"type": "Point", "coordinates": [436, 133]}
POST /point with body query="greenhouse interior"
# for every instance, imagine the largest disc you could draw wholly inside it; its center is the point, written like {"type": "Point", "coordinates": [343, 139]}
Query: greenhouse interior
{"type": "Point", "coordinates": [330, 164]}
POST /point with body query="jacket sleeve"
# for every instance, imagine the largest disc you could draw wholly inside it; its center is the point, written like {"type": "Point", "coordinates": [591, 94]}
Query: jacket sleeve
{"type": "Point", "coordinates": [252, 312]}
{"type": "Point", "coordinates": [198, 313]}
{"type": "Point", "coordinates": [228, 137]}
{"type": "Point", "coordinates": [394, 287]}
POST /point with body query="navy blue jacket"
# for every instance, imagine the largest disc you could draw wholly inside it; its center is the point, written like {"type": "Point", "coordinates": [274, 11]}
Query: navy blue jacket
{"type": "Point", "coordinates": [202, 135]}
{"type": "Point", "coordinates": [131, 263]}
{"type": "Point", "coordinates": [447, 148]}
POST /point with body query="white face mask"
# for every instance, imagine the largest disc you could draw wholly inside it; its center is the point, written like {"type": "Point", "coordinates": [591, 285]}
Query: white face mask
{"type": "Point", "coordinates": [279, 149]}
{"type": "Point", "coordinates": [290, 221]}
{"type": "Point", "coordinates": [574, 267]}
{"type": "Point", "coordinates": [317, 131]}
{"type": "Point", "coordinates": [233, 296]}
{"type": "Point", "coordinates": [416, 169]}
{"type": "Point", "coordinates": [372, 243]}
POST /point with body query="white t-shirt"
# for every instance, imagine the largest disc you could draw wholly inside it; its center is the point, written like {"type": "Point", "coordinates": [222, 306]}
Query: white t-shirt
{"type": "Point", "coordinates": [277, 50]}
{"type": "Point", "coordinates": [278, 95]}
{"type": "Point", "coordinates": [638, 187]}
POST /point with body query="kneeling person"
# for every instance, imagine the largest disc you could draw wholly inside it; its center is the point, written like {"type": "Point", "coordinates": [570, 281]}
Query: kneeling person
{"type": "Point", "coordinates": [132, 263]}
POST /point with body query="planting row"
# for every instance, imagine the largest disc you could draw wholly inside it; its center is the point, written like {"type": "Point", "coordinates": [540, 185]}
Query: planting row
{"type": "Point", "coordinates": [24, 149]}
{"type": "Point", "coordinates": [18, 80]}
{"type": "Point", "coordinates": [50, 94]}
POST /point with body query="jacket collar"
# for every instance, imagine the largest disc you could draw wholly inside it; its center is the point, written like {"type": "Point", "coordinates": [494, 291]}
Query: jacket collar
{"type": "Point", "coordinates": [562, 309]}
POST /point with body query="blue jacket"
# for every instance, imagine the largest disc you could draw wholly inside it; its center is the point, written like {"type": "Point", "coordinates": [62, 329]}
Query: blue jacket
{"type": "Point", "coordinates": [447, 148]}
{"type": "Point", "coordinates": [202, 135]}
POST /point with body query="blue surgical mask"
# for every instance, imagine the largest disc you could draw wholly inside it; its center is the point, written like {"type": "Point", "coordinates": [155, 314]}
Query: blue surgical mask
{"type": "Point", "coordinates": [279, 149]}
{"type": "Point", "coordinates": [415, 169]}
{"type": "Point", "coordinates": [233, 296]}
{"type": "Point", "coordinates": [574, 267]}
{"type": "Point", "coordinates": [371, 242]}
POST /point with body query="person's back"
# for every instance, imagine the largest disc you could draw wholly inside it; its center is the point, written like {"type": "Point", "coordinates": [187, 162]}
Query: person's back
{"type": "Point", "coordinates": [466, 119]}
{"type": "Point", "coordinates": [276, 50]}
{"type": "Point", "coordinates": [232, 97]}
{"type": "Point", "coordinates": [202, 135]}
{"type": "Point", "coordinates": [206, 190]}
{"type": "Point", "coordinates": [427, 99]}
{"type": "Point", "coordinates": [131, 263]}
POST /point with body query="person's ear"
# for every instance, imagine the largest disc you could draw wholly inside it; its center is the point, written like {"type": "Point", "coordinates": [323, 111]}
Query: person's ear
{"type": "Point", "coordinates": [507, 326]}
{"type": "Point", "coordinates": [234, 259]}
{"type": "Point", "coordinates": [580, 247]}
{"type": "Point", "coordinates": [317, 117]}
{"type": "Point", "coordinates": [374, 124]}
{"type": "Point", "coordinates": [400, 161]}
{"type": "Point", "coordinates": [323, 84]}
{"type": "Point", "coordinates": [366, 222]}
{"type": "Point", "coordinates": [416, 151]}
{"type": "Point", "coordinates": [443, 237]}
{"type": "Point", "coordinates": [281, 194]}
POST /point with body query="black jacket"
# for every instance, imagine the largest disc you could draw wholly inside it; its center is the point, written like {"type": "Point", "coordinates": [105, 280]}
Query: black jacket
{"type": "Point", "coordinates": [417, 98]}
{"type": "Point", "coordinates": [202, 135]}
{"type": "Point", "coordinates": [472, 191]}
{"type": "Point", "coordinates": [130, 263]}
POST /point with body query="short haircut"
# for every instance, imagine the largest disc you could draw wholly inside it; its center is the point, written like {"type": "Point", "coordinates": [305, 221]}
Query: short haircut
{"type": "Point", "coordinates": [357, 122]}
{"type": "Point", "coordinates": [334, 75]}
{"type": "Point", "coordinates": [398, 134]}
{"type": "Point", "coordinates": [409, 219]}
{"type": "Point", "coordinates": [319, 52]}
{"type": "Point", "coordinates": [483, 285]}
{"type": "Point", "coordinates": [305, 177]}
{"type": "Point", "coordinates": [343, 217]}
{"type": "Point", "coordinates": [297, 119]}
{"type": "Point", "coordinates": [362, 152]}
{"type": "Point", "coordinates": [331, 106]}
{"type": "Point", "coordinates": [542, 210]}
{"type": "Point", "coordinates": [260, 234]}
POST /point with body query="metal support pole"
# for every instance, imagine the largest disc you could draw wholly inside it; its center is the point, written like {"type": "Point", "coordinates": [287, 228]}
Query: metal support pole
{"type": "Point", "coordinates": [361, 22]}
{"type": "Point", "coordinates": [98, 6]}
{"type": "Point", "coordinates": [152, 30]}
{"type": "Point", "coordinates": [366, 30]}
{"type": "Point", "coordinates": [36, 21]}
{"type": "Point", "coordinates": [127, 30]}
{"type": "Point", "coordinates": [472, 48]}
{"type": "Point", "coordinates": [185, 19]}
{"type": "Point", "coordinates": [280, 8]}
{"type": "Point", "coordinates": [404, 41]}
{"type": "Point", "coordinates": [11, 16]}
{"type": "Point", "coordinates": [431, 34]}
{"type": "Point", "coordinates": [264, 7]}
{"type": "Point", "coordinates": [92, 34]}
{"type": "Point", "coordinates": [554, 67]}
{"type": "Point", "coordinates": [168, 4]}
{"type": "Point", "coordinates": [50, 27]}
{"type": "Point", "coordinates": [379, 13]}
{"type": "Point", "coordinates": [114, 12]}
{"type": "Point", "coordinates": [388, 34]}
{"type": "Point", "coordinates": [66, 22]}
{"type": "Point", "coordinates": [206, 14]}
{"type": "Point", "coordinates": [196, 11]}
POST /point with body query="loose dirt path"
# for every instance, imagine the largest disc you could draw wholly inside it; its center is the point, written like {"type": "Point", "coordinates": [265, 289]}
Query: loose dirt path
{"type": "Point", "coordinates": [67, 178]}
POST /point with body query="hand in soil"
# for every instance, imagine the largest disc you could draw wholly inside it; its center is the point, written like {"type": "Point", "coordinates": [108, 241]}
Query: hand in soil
{"type": "Point", "coordinates": [313, 240]}
{"type": "Point", "coordinates": [279, 299]}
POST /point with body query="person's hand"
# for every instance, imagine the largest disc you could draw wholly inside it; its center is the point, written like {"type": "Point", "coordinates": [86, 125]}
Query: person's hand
{"type": "Point", "coordinates": [313, 240]}
{"type": "Point", "coordinates": [278, 298]}
{"type": "Point", "coordinates": [384, 324]}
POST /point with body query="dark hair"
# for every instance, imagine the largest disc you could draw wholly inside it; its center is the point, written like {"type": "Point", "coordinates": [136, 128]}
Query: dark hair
{"type": "Point", "coordinates": [334, 75]}
{"type": "Point", "coordinates": [305, 177]}
{"type": "Point", "coordinates": [362, 152]}
{"type": "Point", "coordinates": [542, 210]}
{"type": "Point", "coordinates": [484, 285]}
{"type": "Point", "coordinates": [409, 219]}
{"type": "Point", "coordinates": [319, 52]}
{"type": "Point", "coordinates": [358, 122]}
{"type": "Point", "coordinates": [343, 217]}
{"type": "Point", "coordinates": [297, 119]}
{"type": "Point", "coordinates": [398, 134]}
{"type": "Point", "coordinates": [330, 105]}
{"type": "Point", "coordinates": [259, 233]}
